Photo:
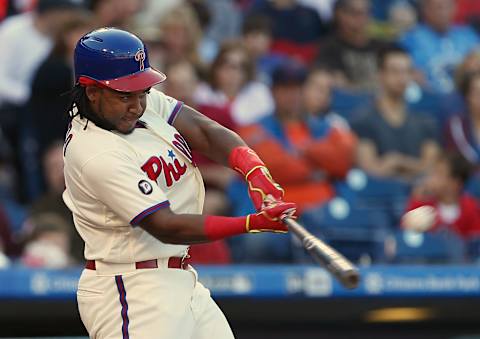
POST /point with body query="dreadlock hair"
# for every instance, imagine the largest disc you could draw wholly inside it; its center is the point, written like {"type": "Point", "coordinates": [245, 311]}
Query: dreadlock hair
{"type": "Point", "coordinates": [80, 106]}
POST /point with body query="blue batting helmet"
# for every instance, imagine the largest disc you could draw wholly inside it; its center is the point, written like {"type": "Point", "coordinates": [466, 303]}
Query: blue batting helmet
{"type": "Point", "coordinates": [116, 59]}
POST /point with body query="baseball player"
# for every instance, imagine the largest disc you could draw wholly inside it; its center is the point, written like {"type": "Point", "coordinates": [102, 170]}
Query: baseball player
{"type": "Point", "coordinates": [136, 195]}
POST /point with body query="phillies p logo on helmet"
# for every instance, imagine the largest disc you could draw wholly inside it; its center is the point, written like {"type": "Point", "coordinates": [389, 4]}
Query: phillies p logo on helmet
{"type": "Point", "coordinates": [140, 57]}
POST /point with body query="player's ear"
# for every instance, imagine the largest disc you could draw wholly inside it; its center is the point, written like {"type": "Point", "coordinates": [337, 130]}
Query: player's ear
{"type": "Point", "coordinates": [92, 93]}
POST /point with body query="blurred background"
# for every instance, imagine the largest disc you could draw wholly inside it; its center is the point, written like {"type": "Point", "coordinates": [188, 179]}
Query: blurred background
{"type": "Point", "coordinates": [362, 110]}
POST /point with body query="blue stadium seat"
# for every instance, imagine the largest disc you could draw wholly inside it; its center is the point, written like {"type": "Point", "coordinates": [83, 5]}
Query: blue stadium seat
{"type": "Point", "coordinates": [368, 192]}
{"type": "Point", "coordinates": [472, 186]}
{"type": "Point", "coordinates": [440, 107]}
{"type": "Point", "coordinates": [237, 193]}
{"type": "Point", "coordinates": [441, 247]}
{"type": "Point", "coordinates": [348, 103]}
{"type": "Point", "coordinates": [356, 232]}
{"type": "Point", "coordinates": [473, 249]}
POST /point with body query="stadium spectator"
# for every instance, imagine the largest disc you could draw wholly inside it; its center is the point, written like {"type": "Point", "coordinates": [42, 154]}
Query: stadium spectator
{"type": "Point", "coordinates": [182, 81]}
{"type": "Point", "coordinates": [463, 128]}
{"type": "Point", "coordinates": [394, 142]}
{"type": "Point", "coordinates": [6, 9]}
{"type": "Point", "coordinates": [468, 12]}
{"type": "Point", "coordinates": [443, 189]}
{"type": "Point", "coordinates": [114, 13]}
{"type": "Point", "coordinates": [437, 46]}
{"type": "Point", "coordinates": [7, 242]}
{"type": "Point", "coordinates": [181, 36]}
{"type": "Point", "coordinates": [349, 50]}
{"type": "Point", "coordinates": [12, 214]}
{"type": "Point", "coordinates": [233, 97]}
{"type": "Point", "coordinates": [217, 26]}
{"type": "Point", "coordinates": [324, 7]}
{"type": "Point", "coordinates": [48, 244]}
{"type": "Point", "coordinates": [297, 29]}
{"type": "Point", "coordinates": [401, 16]}
{"type": "Point", "coordinates": [257, 38]}
{"type": "Point", "coordinates": [289, 145]}
{"type": "Point", "coordinates": [30, 38]}
{"type": "Point", "coordinates": [46, 117]}
{"type": "Point", "coordinates": [51, 202]}
{"type": "Point", "coordinates": [294, 145]}
{"type": "Point", "coordinates": [335, 153]}
{"type": "Point", "coordinates": [470, 64]}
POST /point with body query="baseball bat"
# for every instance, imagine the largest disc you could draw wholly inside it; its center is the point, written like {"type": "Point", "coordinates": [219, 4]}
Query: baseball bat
{"type": "Point", "coordinates": [335, 263]}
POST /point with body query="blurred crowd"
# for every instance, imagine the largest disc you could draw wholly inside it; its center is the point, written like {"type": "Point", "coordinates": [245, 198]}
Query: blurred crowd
{"type": "Point", "coordinates": [361, 109]}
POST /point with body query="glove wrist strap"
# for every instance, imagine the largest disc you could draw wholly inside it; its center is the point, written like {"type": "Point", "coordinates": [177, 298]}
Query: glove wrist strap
{"type": "Point", "coordinates": [244, 160]}
{"type": "Point", "coordinates": [217, 227]}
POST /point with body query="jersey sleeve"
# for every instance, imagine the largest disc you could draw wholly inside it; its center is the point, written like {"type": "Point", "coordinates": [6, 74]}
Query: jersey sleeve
{"type": "Point", "coordinates": [115, 180]}
{"type": "Point", "coordinates": [166, 106]}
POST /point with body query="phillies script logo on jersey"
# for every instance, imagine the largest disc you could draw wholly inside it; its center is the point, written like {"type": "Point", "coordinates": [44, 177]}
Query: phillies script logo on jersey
{"type": "Point", "coordinates": [170, 165]}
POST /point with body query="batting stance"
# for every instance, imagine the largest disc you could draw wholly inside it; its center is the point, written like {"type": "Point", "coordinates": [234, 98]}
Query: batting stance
{"type": "Point", "coordinates": [137, 196]}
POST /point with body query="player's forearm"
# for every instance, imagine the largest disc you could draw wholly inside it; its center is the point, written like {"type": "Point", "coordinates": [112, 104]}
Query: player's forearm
{"type": "Point", "coordinates": [176, 228]}
{"type": "Point", "coordinates": [190, 228]}
{"type": "Point", "coordinates": [222, 141]}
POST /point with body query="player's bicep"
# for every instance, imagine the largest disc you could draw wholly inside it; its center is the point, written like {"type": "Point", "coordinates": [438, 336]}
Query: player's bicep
{"type": "Point", "coordinates": [117, 182]}
{"type": "Point", "coordinates": [193, 125]}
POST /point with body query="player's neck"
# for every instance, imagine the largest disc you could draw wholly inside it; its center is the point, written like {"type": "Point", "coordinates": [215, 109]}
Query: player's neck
{"type": "Point", "coordinates": [97, 120]}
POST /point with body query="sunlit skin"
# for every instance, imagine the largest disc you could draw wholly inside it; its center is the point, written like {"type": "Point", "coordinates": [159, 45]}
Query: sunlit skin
{"type": "Point", "coordinates": [121, 110]}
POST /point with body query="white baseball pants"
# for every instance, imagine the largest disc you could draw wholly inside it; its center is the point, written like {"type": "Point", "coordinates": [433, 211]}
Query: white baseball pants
{"type": "Point", "coordinates": [161, 303]}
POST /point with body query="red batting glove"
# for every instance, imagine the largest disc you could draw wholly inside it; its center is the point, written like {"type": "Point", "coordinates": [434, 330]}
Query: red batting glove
{"type": "Point", "coordinates": [260, 183]}
{"type": "Point", "coordinates": [269, 219]}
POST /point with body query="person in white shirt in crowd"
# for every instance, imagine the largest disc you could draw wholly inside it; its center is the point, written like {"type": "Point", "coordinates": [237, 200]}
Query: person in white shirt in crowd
{"type": "Point", "coordinates": [27, 39]}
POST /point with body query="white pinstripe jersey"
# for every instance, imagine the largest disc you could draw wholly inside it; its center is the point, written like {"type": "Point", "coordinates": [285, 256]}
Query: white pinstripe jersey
{"type": "Point", "coordinates": [114, 180]}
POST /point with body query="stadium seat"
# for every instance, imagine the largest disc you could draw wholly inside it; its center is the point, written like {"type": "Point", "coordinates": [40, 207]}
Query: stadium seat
{"type": "Point", "coordinates": [433, 105]}
{"type": "Point", "coordinates": [368, 192]}
{"type": "Point", "coordinates": [237, 193]}
{"type": "Point", "coordinates": [441, 247]}
{"type": "Point", "coordinates": [473, 249]}
{"type": "Point", "coordinates": [472, 186]}
{"type": "Point", "coordinates": [354, 231]}
{"type": "Point", "coordinates": [348, 103]}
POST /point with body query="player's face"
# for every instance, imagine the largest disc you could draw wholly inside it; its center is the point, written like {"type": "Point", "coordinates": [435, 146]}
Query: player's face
{"type": "Point", "coordinates": [120, 109]}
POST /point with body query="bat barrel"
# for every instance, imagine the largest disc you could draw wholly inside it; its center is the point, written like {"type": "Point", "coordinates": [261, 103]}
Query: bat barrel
{"type": "Point", "coordinates": [326, 256]}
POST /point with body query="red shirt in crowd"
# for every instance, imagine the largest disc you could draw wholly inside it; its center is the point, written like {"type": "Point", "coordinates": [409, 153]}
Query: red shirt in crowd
{"type": "Point", "coordinates": [466, 224]}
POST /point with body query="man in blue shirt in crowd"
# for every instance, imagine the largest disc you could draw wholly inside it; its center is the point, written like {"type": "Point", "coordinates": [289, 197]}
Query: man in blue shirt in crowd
{"type": "Point", "coordinates": [437, 46]}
